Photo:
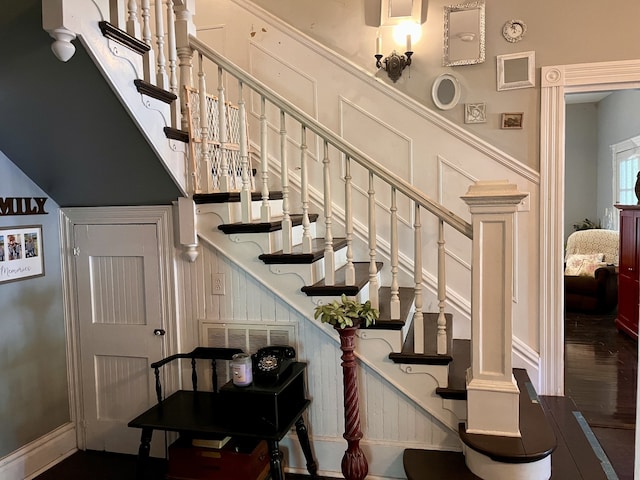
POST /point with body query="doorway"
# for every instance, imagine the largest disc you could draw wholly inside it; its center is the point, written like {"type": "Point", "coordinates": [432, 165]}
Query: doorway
{"type": "Point", "coordinates": [117, 269]}
{"type": "Point", "coordinates": [556, 82]}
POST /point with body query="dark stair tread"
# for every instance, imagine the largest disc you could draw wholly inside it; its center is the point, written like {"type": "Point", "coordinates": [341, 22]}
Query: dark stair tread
{"type": "Point", "coordinates": [384, 322]}
{"type": "Point", "coordinates": [298, 257]}
{"type": "Point", "coordinates": [430, 357]}
{"type": "Point", "coordinates": [264, 227]}
{"type": "Point", "coordinates": [117, 35]}
{"type": "Point", "coordinates": [574, 457]}
{"type": "Point", "coordinates": [362, 277]}
{"type": "Point", "coordinates": [537, 439]}
{"type": "Point", "coordinates": [435, 465]}
{"type": "Point", "coordinates": [149, 89]}
{"type": "Point", "coordinates": [230, 197]}
{"type": "Point", "coordinates": [457, 384]}
{"type": "Point", "coordinates": [176, 134]}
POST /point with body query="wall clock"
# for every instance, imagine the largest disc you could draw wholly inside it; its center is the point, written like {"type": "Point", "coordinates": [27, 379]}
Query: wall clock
{"type": "Point", "coordinates": [514, 30]}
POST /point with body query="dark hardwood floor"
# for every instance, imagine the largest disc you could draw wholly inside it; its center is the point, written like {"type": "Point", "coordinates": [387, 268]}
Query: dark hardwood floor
{"type": "Point", "coordinates": [601, 367]}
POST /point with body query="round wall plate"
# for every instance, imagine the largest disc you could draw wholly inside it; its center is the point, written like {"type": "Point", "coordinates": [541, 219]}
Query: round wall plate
{"type": "Point", "coordinates": [514, 30]}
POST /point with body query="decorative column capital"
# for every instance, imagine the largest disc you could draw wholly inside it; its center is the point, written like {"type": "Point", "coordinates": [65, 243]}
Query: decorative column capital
{"type": "Point", "coordinates": [493, 193]}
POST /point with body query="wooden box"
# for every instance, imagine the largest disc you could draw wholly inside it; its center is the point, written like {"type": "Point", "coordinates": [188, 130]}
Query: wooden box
{"type": "Point", "coordinates": [237, 460]}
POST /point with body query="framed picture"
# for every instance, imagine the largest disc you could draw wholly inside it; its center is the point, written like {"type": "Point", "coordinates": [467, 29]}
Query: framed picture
{"type": "Point", "coordinates": [21, 253]}
{"type": "Point", "coordinates": [475, 112]}
{"type": "Point", "coordinates": [511, 121]}
{"type": "Point", "coordinates": [516, 70]}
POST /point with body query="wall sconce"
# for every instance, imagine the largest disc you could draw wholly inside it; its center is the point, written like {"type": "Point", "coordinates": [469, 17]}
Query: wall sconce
{"type": "Point", "coordinates": [394, 64]}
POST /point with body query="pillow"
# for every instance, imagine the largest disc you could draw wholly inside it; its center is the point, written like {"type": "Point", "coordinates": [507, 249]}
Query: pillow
{"type": "Point", "coordinates": [584, 265]}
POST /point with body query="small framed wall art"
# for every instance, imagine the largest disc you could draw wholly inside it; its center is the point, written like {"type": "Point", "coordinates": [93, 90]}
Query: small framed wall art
{"type": "Point", "coordinates": [21, 253]}
{"type": "Point", "coordinates": [516, 70]}
{"type": "Point", "coordinates": [511, 121]}
{"type": "Point", "coordinates": [475, 112]}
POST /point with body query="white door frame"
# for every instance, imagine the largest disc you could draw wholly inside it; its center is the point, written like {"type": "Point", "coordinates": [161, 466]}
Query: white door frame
{"type": "Point", "coordinates": [556, 81]}
{"type": "Point", "coordinates": [161, 216]}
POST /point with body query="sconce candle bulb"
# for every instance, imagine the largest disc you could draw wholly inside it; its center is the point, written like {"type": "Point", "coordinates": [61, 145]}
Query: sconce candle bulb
{"type": "Point", "coordinates": [409, 42]}
{"type": "Point", "coordinates": [378, 45]}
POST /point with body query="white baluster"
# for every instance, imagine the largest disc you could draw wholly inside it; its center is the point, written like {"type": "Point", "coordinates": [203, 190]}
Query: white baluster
{"type": "Point", "coordinates": [442, 293]}
{"type": "Point", "coordinates": [118, 14]}
{"type": "Point", "coordinates": [418, 317]}
{"type": "Point", "coordinates": [329, 254]}
{"type": "Point", "coordinates": [173, 76]}
{"type": "Point", "coordinates": [224, 181]}
{"type": "Point", "coordinates": [184, 26]}
{"type": "Point", "coordinates": [162, 80]}
{"type": "Point", "coordinates": [245, 193]}
{"type": "Point", "coordinates": [304, 179]}
{"type": "Point", "coordinates": [133, 24]}
{"type": "Point", "coordinates": [395, 290]}
{"type": "Point", "coordinates": [373, 269]}
{"type": "Point", "coordinates": [350, 273]}
{"type": "Point", "coordinates": [206, 179]}
{"type": "Point", "coordinates": [284, 173]}
{"type": "Point", "coordinates": [265, 209]}
{"type": "Point", "coordinates": [149, 58]}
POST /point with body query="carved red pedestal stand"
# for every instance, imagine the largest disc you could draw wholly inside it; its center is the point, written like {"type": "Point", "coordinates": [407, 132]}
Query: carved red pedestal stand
{"type": "Point", "coordinates": [354, 463]}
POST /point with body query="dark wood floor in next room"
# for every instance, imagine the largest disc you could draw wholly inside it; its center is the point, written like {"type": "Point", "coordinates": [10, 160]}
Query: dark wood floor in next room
{"type": "Point", "coordinates": [601, 369]}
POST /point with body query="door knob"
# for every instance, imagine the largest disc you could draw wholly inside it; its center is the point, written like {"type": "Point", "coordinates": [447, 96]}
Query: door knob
{"type": "Point", "coordinates": [159, 332]}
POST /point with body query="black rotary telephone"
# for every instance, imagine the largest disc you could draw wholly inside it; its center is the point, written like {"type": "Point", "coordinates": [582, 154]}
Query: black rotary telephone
{"type": "Point", "coordinates": [270, 363]}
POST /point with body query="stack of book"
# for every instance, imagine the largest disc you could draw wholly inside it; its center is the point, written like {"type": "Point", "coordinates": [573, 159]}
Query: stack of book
{"type": "Point", "coordinates": [216, 442]}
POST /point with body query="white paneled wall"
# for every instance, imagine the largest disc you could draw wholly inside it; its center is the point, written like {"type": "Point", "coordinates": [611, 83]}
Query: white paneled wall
{"type": "Point", "coordinates": [389, 419]}
{"type": "Point", "coordinates": [427, 150]}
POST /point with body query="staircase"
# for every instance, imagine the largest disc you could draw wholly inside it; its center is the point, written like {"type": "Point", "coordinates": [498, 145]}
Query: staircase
{"type": "Point", "coordinates": [312, 237]}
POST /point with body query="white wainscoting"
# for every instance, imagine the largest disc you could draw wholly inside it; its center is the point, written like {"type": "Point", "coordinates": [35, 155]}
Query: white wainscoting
{"type": "Point", "coordinates": [41, 454]}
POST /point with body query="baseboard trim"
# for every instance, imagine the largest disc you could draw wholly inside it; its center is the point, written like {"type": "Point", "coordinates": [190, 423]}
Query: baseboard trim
{"type": "Point", "coordinates": [384, 458]}
{"type": "Point", "coordinates": [34, 458]}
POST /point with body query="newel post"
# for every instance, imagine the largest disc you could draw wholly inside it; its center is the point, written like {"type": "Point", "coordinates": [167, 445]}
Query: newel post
{"type": "Point", "coordinates": [354, 463]}
{"type": "Point", "coordinates": [492, 393]}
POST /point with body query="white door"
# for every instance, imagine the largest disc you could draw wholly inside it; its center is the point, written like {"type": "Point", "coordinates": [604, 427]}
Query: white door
{"type": "Point", "coordinates": [119, 296]}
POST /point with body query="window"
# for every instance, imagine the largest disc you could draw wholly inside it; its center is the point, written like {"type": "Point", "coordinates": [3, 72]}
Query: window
{"type": "Point", "coordinates": [626, 165]}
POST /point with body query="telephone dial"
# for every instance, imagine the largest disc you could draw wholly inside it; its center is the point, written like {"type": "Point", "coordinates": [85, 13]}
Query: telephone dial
{"type": "Point", "coordinates": [270, 363]}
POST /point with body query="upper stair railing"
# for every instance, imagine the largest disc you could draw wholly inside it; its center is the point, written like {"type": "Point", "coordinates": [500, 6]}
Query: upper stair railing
{"type": "Point", "coordinates": [169, 64]}
{"type": "Point", "coordinates": [334, 147]}
{"type": "Point", "coordinates": [179, 62]}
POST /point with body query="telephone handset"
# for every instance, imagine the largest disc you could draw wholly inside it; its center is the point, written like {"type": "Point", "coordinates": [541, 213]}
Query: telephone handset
{"type": "Point", "coordinates": [270, 363]}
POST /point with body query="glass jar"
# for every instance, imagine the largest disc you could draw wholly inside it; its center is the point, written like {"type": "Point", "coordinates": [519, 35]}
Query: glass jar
{"type": "Point", "coordinates": [241, 369]}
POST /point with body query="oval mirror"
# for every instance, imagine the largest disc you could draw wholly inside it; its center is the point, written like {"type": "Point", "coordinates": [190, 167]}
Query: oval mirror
{"type": "Point", "coordinates": [445, 91]}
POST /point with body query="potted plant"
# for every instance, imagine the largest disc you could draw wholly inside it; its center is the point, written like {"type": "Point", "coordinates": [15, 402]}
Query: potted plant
{"type": "Point", "coordinates": [346, 316]}
{"type": "Point", "coordinates": [347, 313]}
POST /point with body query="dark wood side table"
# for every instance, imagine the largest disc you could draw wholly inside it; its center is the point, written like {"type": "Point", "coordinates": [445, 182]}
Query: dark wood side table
{"type": "Point", "coordinates": [262, 412]}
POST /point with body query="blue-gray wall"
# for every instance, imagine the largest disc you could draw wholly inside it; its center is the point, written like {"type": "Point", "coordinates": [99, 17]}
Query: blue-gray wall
{"type": "Point", "coordinates": [33, 371]}
{"type": "Point", "coordinates": [591, 130]}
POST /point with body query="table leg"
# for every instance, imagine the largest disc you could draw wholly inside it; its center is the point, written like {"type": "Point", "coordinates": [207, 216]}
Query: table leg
{"type": "Point", "coordinates": [277, 473]}
{"type": "Point", "coordinates": [303, 438]}
{"type": "Point", "coordinates": [143, 453]}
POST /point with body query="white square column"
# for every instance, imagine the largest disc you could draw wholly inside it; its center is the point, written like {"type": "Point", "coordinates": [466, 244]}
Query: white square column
{"type": "Point", "coordinates": [492, 393]}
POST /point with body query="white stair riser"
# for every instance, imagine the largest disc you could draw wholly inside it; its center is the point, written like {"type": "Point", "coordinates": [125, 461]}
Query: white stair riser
{"type": "Point", "coordinates": [271, 242]}
{"type": "Point", "coordinates": [231, 212]}
{"type": "Point", "coordinates": [310, 273]}
{"type": "Point", "coordinates": [488, 469]}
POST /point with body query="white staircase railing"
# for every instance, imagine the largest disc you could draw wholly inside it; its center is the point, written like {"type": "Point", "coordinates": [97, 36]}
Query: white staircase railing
{"type": "Point", "coordinates": [493, 205]}
{"type": "Point", "coordinates": [336, 148]}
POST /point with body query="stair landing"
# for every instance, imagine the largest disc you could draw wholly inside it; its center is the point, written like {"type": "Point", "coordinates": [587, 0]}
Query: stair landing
{"type": "Point", "coordinates": [576, 456]}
